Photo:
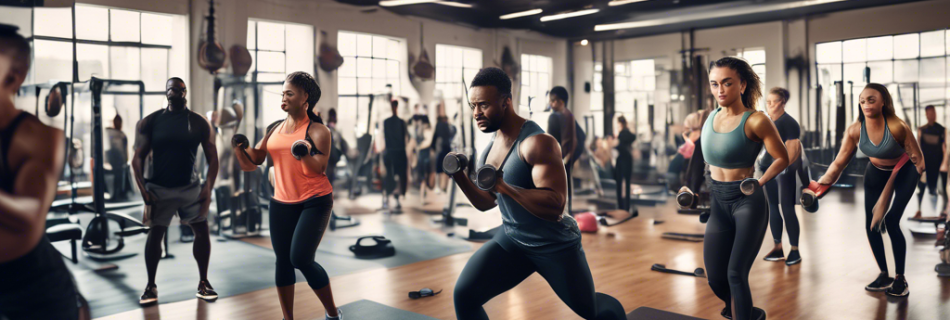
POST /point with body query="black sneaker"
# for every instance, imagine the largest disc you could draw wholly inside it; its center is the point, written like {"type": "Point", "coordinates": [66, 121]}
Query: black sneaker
{"type": "Point", "coordinates": [899, 288]}
{"type": "Point", "coordinates": [339, 315]}
{"type": "Point", "coordinates": [881, 283]}
{"type": "Point", "coordinates": [726, 313]}
{"type": "Point", "coordinates": [149, 297]}
{"type": "Point", "coordinates": [775, 255]}
{"type": "Point", "coordinates": [758, 314]}
{"type": "Point", "coordinates": [206, 292]}
{"type": "Point", "coordinates": [793, 258]}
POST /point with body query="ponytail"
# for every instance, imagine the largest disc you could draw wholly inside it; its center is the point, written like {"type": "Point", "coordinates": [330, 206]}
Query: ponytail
{"type": "Point", "coordinates": [308, 84]}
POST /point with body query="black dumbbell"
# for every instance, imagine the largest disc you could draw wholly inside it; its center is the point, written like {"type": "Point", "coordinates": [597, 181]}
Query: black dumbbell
{"type": "Point", "coordinates": [240, 141]}
{"type": "Point", "coordinates": [300, 149]}
{"type": "Point", "coordinates": [749, 186]}
{"type": "Point", "coordinates": [454, 162]}
{"type": "Point", "coordinates": [685, 198]}
{"type": "Point", "coordinates": [486, 176]}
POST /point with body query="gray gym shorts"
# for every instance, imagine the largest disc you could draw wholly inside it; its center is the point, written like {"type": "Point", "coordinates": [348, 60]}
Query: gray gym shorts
{"type": "Point", "coordinates": [181, 200]}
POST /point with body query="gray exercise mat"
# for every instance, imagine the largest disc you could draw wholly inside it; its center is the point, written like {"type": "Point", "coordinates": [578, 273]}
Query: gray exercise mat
{"type": "Point", "coordinates": [647, 313]}
{"type": "Point", "coordinates": [238, 267]}
{"type": "Point", "coordinates": [369, 310]}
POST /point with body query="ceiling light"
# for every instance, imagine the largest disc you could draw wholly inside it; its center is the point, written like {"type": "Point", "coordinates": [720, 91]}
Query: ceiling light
{"type": "Point", "coordinates": [454, 4]}
{"type": "Point", "coordinates": [520, 14]}
{"type": "Point", "coordinates": [584, 42]}
{"type": "Point", "coordinates": [615, 3]}
{"type": "Point", "coordinates": [569, 15]}
{"type": "Point", "coordinates": [711, 15]}
{"type": "Point", "coordinates": [394, 3]}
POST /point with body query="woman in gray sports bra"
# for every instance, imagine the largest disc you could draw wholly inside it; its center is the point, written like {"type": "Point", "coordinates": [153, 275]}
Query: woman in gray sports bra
{"type": "Point", "coordinates": [733, 135]}
{"type": "Point", "coordinates": [879, 122]}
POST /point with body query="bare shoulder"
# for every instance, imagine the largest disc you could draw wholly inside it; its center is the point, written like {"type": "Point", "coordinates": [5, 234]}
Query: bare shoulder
{"type": "Point", "coordinates": [854, 129]}
{"type": "Point", "coordinates": [538, 148]}
{"type": "Point", "coordinates": [319, 130]}
{"type": "Point", "coordinates": [759, 118]}
{"type": "Point", "coordinates": [42, 141]}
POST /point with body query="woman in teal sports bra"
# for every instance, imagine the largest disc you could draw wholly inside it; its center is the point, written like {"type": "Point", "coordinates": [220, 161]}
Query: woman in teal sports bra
{"type": "Point", "coordinates": [732, 137]}
{"type": "Point", "coordinates": [879, 122]}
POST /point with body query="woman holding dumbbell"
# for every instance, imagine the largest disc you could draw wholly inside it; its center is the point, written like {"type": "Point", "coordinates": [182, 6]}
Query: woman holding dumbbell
{"type": "Point", "coordinates": [301, 207]}
{"type": "Point", "coordinates": [887, 173]}
{"type": "Point", "coordinates": [733, 135]}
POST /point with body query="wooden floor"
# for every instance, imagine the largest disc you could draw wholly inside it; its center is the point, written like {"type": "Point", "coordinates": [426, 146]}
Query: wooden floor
{"type": "Point", "coordinates": [828, 284]}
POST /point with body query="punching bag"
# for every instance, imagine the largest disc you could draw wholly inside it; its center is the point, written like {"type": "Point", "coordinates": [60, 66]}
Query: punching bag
{"type": "Point", "coordinates": [211, 55]}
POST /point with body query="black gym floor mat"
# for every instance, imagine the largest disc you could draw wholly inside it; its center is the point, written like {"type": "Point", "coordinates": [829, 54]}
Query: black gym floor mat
{"type": "Point", "coordinates": [238, 267]}
{"type": "Point", "coordinates": [647, 313]}
{"type": "Point", "coordinates": [369, 310]}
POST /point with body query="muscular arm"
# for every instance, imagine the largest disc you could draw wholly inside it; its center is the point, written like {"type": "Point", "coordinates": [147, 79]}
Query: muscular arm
{"type": "Point", "coordinates": [569, 137]}
{"type": "Point", "coordinates": [763, 128]}
{"type": "Point", "coordinates": [547, 201]}
{"type": "Point", "coordinates": [23, 213]}
{"type": "Point", "coordinates": [912, 147]}
{"type": "Point", "coordinates": [481, 200]}
{"type": "Point", "coordinates": [142, 148]}
{"type": "Point", "coordinates": [211, 152]}
{"type": "Point", "coordinates": [848, 144]}
{"type": "Point", "coordinates": [320, 135]}
{"type": "Point", "coordinates": [794, 147]}
{"type": "Point", "coordinates": [255, 156]}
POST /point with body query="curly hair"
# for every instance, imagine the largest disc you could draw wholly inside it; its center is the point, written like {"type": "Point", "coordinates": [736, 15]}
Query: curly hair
{"type": "Point", "coordinates": [753, 86]}
{"type": "Point", "coordinates": [308, 84]}
{"type": "Point", "coordinates": [493, 77]}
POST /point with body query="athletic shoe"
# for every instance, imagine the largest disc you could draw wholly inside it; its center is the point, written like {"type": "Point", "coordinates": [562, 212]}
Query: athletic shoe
{"type": "Point", "coordinates": [793, 258]}
{"type": "Point", "coordinates": [726, 313]}
{"type": "Point", "coordinates": [899, 288]}
{"type": "Point", "coordinates": [775, 255]}
{"type": "Point", "coordinates": [149, 297]}
{"type": "Point", "coordinates": [206, 292]}
{"type": "Point", "coordinates": [339, 315]}
{"type": "Point", "coordinates": [881, 283]}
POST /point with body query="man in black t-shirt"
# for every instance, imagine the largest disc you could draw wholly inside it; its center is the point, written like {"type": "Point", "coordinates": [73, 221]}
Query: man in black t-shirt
{"type": "Point", "coordinates": [932, 139]}
{"type": "Point", "coordinates": [172, 136]}
{"type": "Point", "coordinates": [396, 135]}
{"type": "Point", "coordinates": [570, 137]}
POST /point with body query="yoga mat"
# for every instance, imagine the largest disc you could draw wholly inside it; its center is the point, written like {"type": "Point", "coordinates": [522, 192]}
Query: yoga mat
{"type": "Point", "coordinates": [647, 313]}
{"type": "Point", "coordinates": [369, 310]}
{"type": "Point", "coordinates": [237, 267]}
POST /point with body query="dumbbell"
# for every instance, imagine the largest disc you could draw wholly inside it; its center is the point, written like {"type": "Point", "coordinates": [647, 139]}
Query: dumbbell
{"type": "Point", "coordinates": [300, 149]}
{"type": "Point", "coordinates": [486, 176]}
{"type": "Point", "coordinates": [811, 194]}
{"type": "Point", "coordinates": [454, 162]}
{"type": "Point", "coordinates": [685, 198]}
{"type": "Point", "coordinates": [240, 141]}
{"type": "Point", "coordinates": [748, 186]}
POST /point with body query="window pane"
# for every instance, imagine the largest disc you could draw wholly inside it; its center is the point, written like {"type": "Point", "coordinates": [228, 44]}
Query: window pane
{"type": "Point", "coordinates": [855, 50]}
{"type": "Point", "coordinates": [124, 25]}
{"type": "Point", "coordinates": [854, 72]}
{"type": "Point", "coordinates": [93, 60]}
{"type": "Point", "coordinates": [364, 67]}
{"type": "Point", "coordinates": [379, 68]}
{"type": "Point", "coordinates": [20, 17]}
{"type": "Point", "coordinates": [156, 29]}
{"type": "Point", "coordinates": [882, 72]}
{"type": "Point", "coordinates": [932, 44]}
{"type": "Point", "coordinates": [348, 69]}
{"type": "Point", "coordinates": [395, 49]}
{"type": "Point", "coordinates": [270, 61]}
{"type": "Point", "coordinates": [906, 71]}
{"type": "Point", "coordinates": [828, 52]}
{"type": "Point", "coordinates": [53, 61]}
{"type": "Point", "coordinates": [154, 68]}
{"type": "Point", "coordinates": [473, 59]}
{"type": "Point", "coordinates": [92, 23]}
{"type": "Point", "coordinates": [125, 63]}
{"type": "Point", "coordinates": [251, 36]}
{"type": "Point", "coordinates": [880, 48]}
{"type": "Point", "coordinates": [932, 72]}
{"type": "Point", "coordinates": [364, 45]}
{"type": "Point", "coordinates": [53, 22]}
{"type": "Point", "coordinates": [392, 69]}
{"type": "Point", "coordinates": [364, 85]}
{"type": "Point", "coordinates": [347, 86]}
{"type": "Point", "coordinates": [379, 85]}
{"type": "Point", "coordinates": [754, 56]}
{"type": "Point", "coordinates": [299, 48]}
{"type": "Point", "coordinates": [380, 47]}
{"type": "Point", "coordinates": [907, 46]}
{"type": "Point", "coordinates": [346, 43]}
{"type": "Point", "coordinates": [270, 36]}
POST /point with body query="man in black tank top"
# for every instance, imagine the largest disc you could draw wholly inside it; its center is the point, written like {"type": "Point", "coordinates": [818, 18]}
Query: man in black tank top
{"type": "Point", "coordinates": [172, 136]}
{"type": "Point", "coordinates": [932, 138]}
{"type": "Point", "coordinates": [396, 136]}
{"type": "Point", "coordinates": [34, 281]}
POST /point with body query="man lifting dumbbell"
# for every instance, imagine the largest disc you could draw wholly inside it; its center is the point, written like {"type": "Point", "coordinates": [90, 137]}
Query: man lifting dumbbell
{"type": "Point", "coordinates": [172, 135]}
{"type": "Point", "coordinates": [519, 170]}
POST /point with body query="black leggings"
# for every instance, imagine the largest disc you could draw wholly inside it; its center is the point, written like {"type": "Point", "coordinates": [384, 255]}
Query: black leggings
{"type": "Point", "coordinates": [500, 265]}
{"type": "Point", "coordinates": [733, 237]}
{"type": "Point", "coordinates": [782, 191]}
{"type": "Point", "coordinates": [295, 232]}
{"type": "Point", "coordinates": [622, 175]}
{"type": "Point", "coordinates": [874, 180]}
{"type": "Point", "coordinates": [396, 162]}
{"type": "Point", "coordinates": [933, 176]}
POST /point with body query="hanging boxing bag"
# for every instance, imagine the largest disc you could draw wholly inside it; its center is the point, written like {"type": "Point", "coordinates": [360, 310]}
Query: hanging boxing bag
{"type": "Point", "coordinates": [240, 60]}
{"type": "Point", "coordinates": [211, 55]}
{"type": "Point", "coordinates": [509, 64]}
{"type": "Point", "coordinates": [423, 68]}
{"type": "Point", "coordinates": [330, 58]}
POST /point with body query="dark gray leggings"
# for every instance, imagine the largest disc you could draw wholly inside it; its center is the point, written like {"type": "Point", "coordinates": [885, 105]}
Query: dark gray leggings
{"type": "Point", "coordinates": [733, 237]}
{"type": "Point", "coordinates": [782, 191]}
{"type": "Point", "coordinates": [500, 265]}
{"type": "Point", "coordinates": [295, 232]}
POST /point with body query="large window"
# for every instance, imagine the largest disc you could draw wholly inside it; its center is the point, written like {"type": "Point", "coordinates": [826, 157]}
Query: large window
{"type": "Point", "coordinates": [372, 64]}
{"type": "Point", "coordinates": [453, 64]}
{"type": "Point", "coordinates": [912, 66]}
{"type": "Point", "coordinates": [635, 89]}
{"type": "Point", "coordinates": [276, 50]}
{"type": "Point", "coordinates": [535, 83]}
{"type": "Point", "coordinates": [756, 58]}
